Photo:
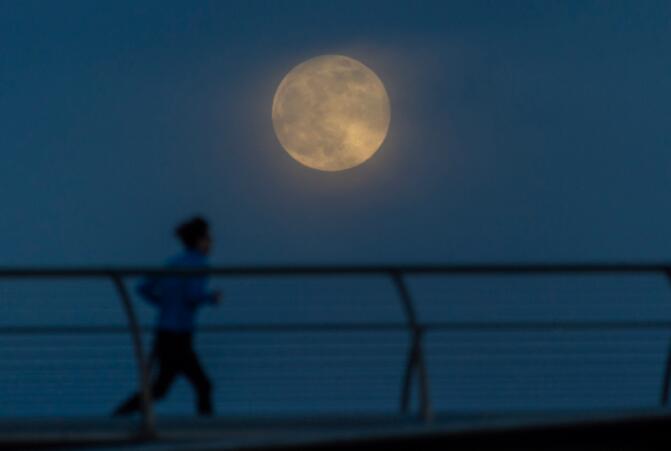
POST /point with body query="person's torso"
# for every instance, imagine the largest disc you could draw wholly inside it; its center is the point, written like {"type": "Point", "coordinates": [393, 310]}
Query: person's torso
{"type": "Point", "coordinates": [177, 312]}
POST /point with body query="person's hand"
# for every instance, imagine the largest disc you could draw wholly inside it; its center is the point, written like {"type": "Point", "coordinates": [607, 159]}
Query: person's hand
{"type": "Point", "coordinates": [217, 296]}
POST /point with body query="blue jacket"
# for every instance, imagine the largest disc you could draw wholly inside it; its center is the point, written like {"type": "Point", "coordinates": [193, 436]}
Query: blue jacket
{"type": "Point", "coordinates": [178, 298]}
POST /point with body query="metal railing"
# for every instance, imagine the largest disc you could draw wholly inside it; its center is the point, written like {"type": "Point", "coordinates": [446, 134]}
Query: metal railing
{"type": "Point", "coordinates": [416, 365]}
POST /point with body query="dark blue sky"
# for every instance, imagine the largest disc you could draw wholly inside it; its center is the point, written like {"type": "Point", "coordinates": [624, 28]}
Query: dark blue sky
{"type": "Point", "coordinates": [520, 131]}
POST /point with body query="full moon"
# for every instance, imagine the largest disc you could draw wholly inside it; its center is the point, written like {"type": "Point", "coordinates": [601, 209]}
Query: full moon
{"type": "Point", "coordinates": [331, 113]}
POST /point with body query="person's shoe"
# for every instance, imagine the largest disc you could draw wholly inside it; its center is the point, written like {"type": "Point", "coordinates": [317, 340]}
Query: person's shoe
{"type": "Point", "coordinates": [122, 411]}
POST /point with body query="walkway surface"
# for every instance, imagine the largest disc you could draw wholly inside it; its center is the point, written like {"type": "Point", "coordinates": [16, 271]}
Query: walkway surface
{"type": "Point", "coordinates": [178, 433]}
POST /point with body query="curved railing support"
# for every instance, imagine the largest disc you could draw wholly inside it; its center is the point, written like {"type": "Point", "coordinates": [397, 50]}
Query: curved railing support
{"type": "Point", "coordinates": [148, 429]}
{"type": "Point", "coordinates": [416, 362]}
{"type": "Point", "coordinates": [664, 398]}
{"type": "Point", "coordinates": [666, 378]}
{"type": "Point", "coordinates": [407, 377]}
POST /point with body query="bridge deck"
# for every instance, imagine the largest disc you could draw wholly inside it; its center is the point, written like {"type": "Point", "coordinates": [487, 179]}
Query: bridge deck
{"type": "Point", "coordinates": [260, 433]}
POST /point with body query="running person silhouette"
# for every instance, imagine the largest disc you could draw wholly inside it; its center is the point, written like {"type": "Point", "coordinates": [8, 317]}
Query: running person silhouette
{"type": "Point", "coordinates": [178, 299]}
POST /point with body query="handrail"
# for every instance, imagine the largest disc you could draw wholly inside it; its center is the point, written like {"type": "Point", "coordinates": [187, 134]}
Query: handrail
{"type": "Point", "coordinates": [451, 326]}
{"type": "Point", "coordinates": [416, 360]}
{"type": "Point", "coordinates": [303, 270]}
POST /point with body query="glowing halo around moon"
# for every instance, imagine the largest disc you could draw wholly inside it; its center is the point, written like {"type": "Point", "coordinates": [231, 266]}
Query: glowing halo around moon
{"type": "Point", "coordinates": [331, 113]}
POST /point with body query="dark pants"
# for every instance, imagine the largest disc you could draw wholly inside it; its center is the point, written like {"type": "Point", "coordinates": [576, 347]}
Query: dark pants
{"type": "Point", "coordinates": [174, 354]}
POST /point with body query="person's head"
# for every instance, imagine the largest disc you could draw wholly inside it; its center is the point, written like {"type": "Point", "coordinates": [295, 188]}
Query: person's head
{"type": "Point", "coordinates": [195, 235]}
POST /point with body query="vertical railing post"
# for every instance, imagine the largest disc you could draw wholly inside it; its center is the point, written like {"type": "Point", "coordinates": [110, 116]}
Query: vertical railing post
{"type": "Point", "coordinates": [416, 359]}
{"type": "Point", "coordinates": [664, 398]}
{"type": "Point", "coordinates": [148, 420]}
{"type": "Point", "coordinates": [407, 377]}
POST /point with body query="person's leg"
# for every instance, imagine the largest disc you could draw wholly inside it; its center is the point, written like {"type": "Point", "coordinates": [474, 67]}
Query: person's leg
{"type": "Point", "coordinates": [166, 375]}
{"type": "Point", "coordinates": [159, 388]}
{"type": "Point", "coordinates": [201, 383]}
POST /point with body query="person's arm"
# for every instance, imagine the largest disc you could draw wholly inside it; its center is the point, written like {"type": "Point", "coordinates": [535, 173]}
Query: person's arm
{"type": "Point", "coordinates": [197, 292]}
{"type": "Point", "coordinates": [148, 290]}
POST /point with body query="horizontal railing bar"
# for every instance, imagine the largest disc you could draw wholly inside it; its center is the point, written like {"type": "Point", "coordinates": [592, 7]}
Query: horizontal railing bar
{"type": "Point", "coordinates": [519, 326]}
{"type": "Point", "coordinates": [259, 328]}
{"type": "Point", "coordinates": [545, 326]}
{"type": "Point", "coordinates": [513, 268]}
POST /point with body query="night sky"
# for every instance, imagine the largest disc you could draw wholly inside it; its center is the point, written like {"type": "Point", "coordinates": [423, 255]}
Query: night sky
{"type": "Point", "coordinates": [520, 131]}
